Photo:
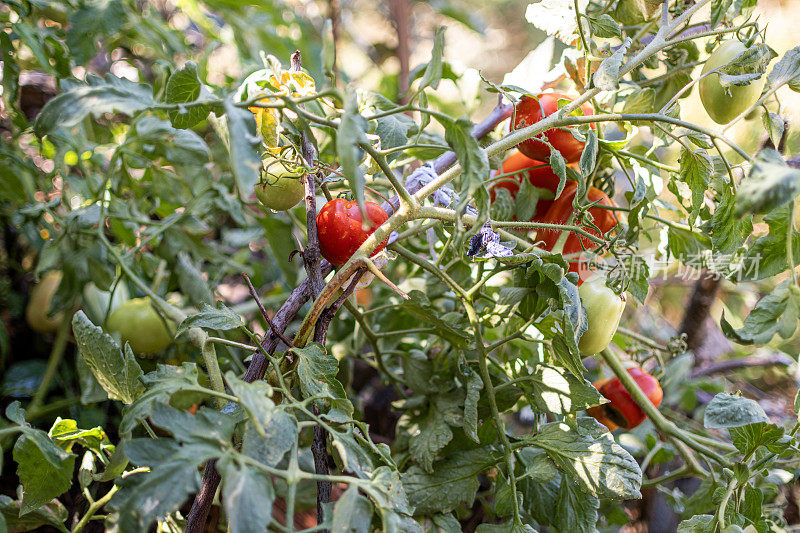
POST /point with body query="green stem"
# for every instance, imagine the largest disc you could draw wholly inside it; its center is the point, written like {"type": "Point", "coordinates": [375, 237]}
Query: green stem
{"type": "Point", "coordinates": [93, 508]}
{"type": "Point", "coordinates": [56, 355]}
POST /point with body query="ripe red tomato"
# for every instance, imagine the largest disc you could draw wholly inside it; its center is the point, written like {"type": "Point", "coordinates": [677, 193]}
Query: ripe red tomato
{"type": "Point", "coordinates": [539, 174]}
{"type": "Point", "coordinates": [622, 410]}
{"type": "Point", "coordinates": [530, 110]}
{"type": "Point", "coordinates": [340, 229]}
{"type": "Point", "coordinates": [559, 213]}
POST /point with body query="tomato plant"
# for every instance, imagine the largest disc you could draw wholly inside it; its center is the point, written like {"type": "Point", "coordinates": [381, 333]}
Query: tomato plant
{"type": "Point", "coordinates": [342, 230]}
{"type": "Point", "coordinates": [562, 212]}
{"type": "Point", "coordinates": [531, 110]}
{"type": "Point", "coordinates": [622, 410]}
{"type": "Point", "coordinates": [296, 367]}
{"type": "Point", "coordinates": [538, 174]}
{"type": "Point", "coordinates": [138, 324]}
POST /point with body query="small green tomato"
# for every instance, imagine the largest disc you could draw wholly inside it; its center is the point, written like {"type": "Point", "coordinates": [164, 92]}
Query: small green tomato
{"type": "Point", "coordinates": [723, 104]}
{"type": "Point", "coordinates": [603, 312]}
{"type": "Point", "coordinates": [282, 188]}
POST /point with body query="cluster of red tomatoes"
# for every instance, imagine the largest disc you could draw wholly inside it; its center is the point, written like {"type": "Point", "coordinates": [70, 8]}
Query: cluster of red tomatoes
{"type": "Point", "coordinates": [528, 163]}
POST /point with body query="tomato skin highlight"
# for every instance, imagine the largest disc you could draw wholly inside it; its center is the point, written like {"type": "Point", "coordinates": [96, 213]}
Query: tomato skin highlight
{"type": "Point", "coordinates": [39, 304]}
{"type": "Point", "coordinates": [140, 325]}
{"type": "Point", "coordinates": [560, 212]}
{"type": "Point", "coordinates": [339, 225]}
{"type": "Point", "coordinates": [539, 175]}
{"type": "Point", "coordinates": [721, 106]}
{"type": "Point", "coordinates": [622, 410]}
{"type": "Point", "coordinates": [529, 111]}
{"type": "Point", "coordinates": [603, 312]}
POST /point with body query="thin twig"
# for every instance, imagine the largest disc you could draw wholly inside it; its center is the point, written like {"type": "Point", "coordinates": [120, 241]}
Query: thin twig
{"type": "Point", "coordinates": [264, 313]}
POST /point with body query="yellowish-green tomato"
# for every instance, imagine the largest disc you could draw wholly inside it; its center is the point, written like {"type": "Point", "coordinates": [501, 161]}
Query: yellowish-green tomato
{"type": "Point", "coordinates": [281, 189]}
{"type": "Point", "coordinates": [603, 312]}
{"type": "Point", "coordinates": [138, 324]}
{"type": "Point", "coordinates": [39, 304]}
{"type": "Point", "coordinates": [723, 104]}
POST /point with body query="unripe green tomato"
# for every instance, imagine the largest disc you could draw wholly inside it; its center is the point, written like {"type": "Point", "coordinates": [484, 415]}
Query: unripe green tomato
{"type": "Point", "coordinates": [720, 105]}
{"type": "Point", "coordinates": [603, 312]}
{"type": "Point", "coordinates": [39, 304]}
{"type": "Point", "coordinates": [138, 324]}
{"type": "Point", "coordinates": [281, 188]}
{"type": "Point", "coordinates": [97, 303]}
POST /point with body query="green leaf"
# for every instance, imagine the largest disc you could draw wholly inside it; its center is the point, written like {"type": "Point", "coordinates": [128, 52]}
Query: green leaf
{"type": "Point", "coordinates": [247, 495]}
{"type": "Point", "coordinates": [191, 281]}
{"type": "Point", "coordinates": [453, 482]}
{"type": "Point", "coordinates": [607, 76]}
{"type": "Point", "coordinates": [774, 125]}
{"type": "Point", "coordinates": [244, 158]}
{"type": "Point", "coordinates": [206, 427]}
{"type": "Point", "coordinates": [352, 513]}
{"type": "Point", "coordinates": [729, 231]}
{"type": "Point", "coordinates": [89, 22]}
{"type": "Point", "coordinates": [729, 411]}
{"type": "Point", "coordinates": [317, 371]}
{"type": "Point", "coordinates": [53, 513]}
{"type": "Point", "coordinates": [752, 436]}
{"type": "Point", "coordinates": [537, 464]}
{"type": "Point", "coordinates": [431, 436]}
{"type": "Point", "coordinates": [184, 86]}
{"type": "Point", "coordinates": [168, 383]}
{"type": "Point", "coordinates": [576, 511]}
{"type": "Point", "coordinates": [590, 455]}
{"type": "Point", "coordinates": [419, 306]}
{"type": "Point", "coordinates": [474, 386]}
{"type": "Point", "coordinates": [222, 318]}
{"type": "Point", "coordinates": [116, 370]}
{"type": "Point", "coordinates": [66, 434]}
{"type": "Point", "coordinates": [770, 184]}
{"type": "Point", "coordinates": [555, 390]}
{"type": "Point", "coordinates": [44, 469]}
{"type": "Point", "coordinates": [588, 159]}
{"type": "Point", "coordinates": [747, 66]}
{"type": "Point", "coordinates": [767, 257]}
{"type": "Point", "coordinates": [147, 496]}
{"type": "Point", "coordinates": [778, 312]}
{"type": "Point", "coordinates": [474, 164]}
{"type": "Point", "coordinates": [695, 171]}
{"type": "Point", "coordinates": [350, 134]}
{"type": "Point", "coordinates": [640, 101]}
{"type": "Point", "coordinates": [279, 237]}
{"type": "Point", "coordinates": [108, 95]}
{"type": "Point", "coordinates": [605, 26]}
{"type": "Point", "coordinates": [703, 523]}
{"type": "Point", "coordinates": [433, 70]}
{"type": "Point", "coordinates": [786, 71]}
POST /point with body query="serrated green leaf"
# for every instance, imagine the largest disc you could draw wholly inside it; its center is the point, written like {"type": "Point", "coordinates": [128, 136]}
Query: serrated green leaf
{"type": "Point", "coordinates": [453, 482]}
{"type": "Point", "coordinates": [247, 495]}
{"type": "Point", "coordinates": [776, 313]}
{"type": "Point", "coordinates": [590, 455]}
{"type": "Point", "coordinates": [184, 86]}
{"type": "Point", "coordinates": [243, 140]}
{"type": "Point", "coordinates": [109, 95]}
{"type": "Point", "coordinates": [352, 513]}
{"type": "Point", "coordinates": [770, 184]}
{"type": "Point", "coordinates": [116, 370]}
